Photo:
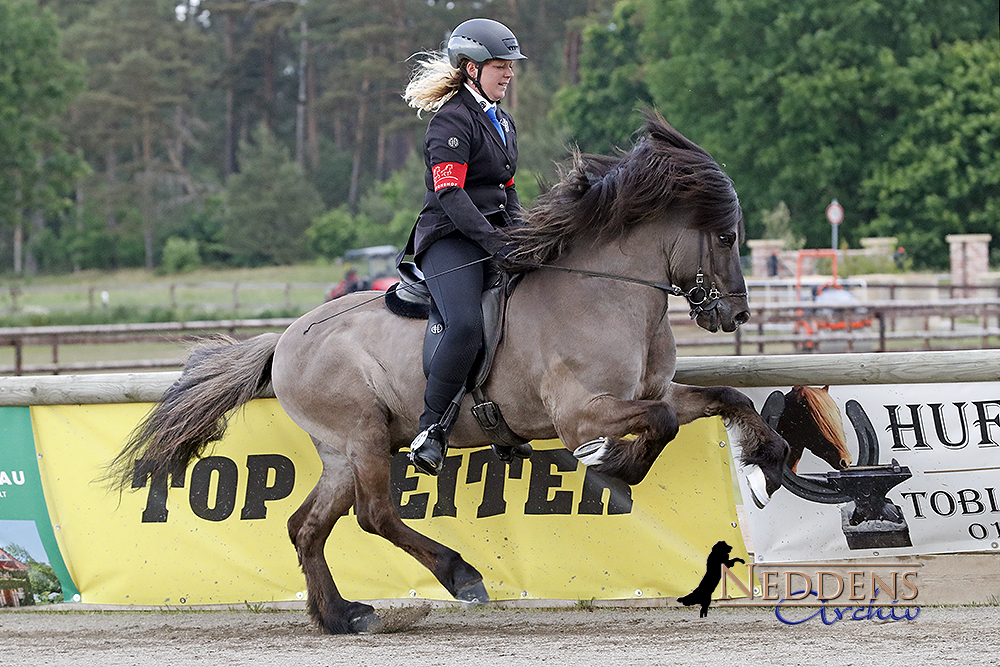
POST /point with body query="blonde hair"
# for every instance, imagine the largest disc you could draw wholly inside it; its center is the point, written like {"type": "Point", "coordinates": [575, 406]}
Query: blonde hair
{"type": "Point", "coordinates": [432, 82]}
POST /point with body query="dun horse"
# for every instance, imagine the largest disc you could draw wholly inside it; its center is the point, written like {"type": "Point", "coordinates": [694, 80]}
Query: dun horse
{"type": "Point", "coordinates": [588, 357]}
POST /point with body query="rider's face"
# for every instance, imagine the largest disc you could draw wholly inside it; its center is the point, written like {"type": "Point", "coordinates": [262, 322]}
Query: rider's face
{"type": "Point", "coordinates": [496, 75]}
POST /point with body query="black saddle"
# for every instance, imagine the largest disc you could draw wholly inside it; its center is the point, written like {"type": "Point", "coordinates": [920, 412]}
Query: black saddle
{"type": "Point", "coordinates": [410, 298]}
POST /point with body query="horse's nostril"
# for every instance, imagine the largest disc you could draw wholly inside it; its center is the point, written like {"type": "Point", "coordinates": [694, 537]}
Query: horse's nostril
{"type": "Point", "coordinates": [742, 317]}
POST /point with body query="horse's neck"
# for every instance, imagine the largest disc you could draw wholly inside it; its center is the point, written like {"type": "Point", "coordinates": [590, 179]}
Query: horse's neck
{"type": "Point", "coordinates": [640, 255]}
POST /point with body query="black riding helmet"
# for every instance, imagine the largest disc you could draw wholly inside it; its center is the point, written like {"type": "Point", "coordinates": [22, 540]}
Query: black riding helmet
{"type": "Point", "coordinates": [479, 40]}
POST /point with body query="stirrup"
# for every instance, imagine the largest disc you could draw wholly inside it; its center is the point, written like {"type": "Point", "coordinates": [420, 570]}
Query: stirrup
{"type": "Point", "coordinates": [507, 453]}
{"type": "Point", "coordinates": [428, 449]}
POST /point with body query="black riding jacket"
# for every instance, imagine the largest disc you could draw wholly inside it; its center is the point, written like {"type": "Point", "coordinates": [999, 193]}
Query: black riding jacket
{"type": "Point", "coordinates": [470, 176]}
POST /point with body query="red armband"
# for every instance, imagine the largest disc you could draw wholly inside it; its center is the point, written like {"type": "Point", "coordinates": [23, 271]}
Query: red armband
{"type": "Point", "coordinates": [509, 183]}
{"type": "Point", "coordinates": [449, 175]}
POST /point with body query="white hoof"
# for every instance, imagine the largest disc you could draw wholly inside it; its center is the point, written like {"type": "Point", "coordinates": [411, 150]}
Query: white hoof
{"type": "Point", "coordinates": [592, 453]}
{"type": "Point", "coordinates": [757, 484]}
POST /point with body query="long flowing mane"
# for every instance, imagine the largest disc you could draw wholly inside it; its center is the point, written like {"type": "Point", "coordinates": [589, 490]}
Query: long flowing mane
{"type": "Point", "coordinates": [600, 197]}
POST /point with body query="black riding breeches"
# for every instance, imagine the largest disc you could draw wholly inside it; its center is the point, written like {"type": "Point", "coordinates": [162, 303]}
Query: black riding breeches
{"type": "Point", "coordinates": [458, 297]}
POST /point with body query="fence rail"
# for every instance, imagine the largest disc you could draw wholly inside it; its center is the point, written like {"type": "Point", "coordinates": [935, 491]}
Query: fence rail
{"type": "Point", "coordinates": [784, 327]}
{"type": "Point", "coordinates": [760, 371]}
{"type": "Point", "coordinates": [201, 296]}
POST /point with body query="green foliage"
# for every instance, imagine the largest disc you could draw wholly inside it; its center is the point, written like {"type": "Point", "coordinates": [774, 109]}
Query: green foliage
{"type": "Point", "coordinates": [941, 173]}
{"type": "Point", "coordinates": [778, 225]}
{"type": "Point", "coordinates": [602, 111]}
{"type": "Point", "coordinates": [180, 255]}
{"type": "Point", "coordinates": [37, 168]}
{"type": "Point", "coordinates": [270, 205]}
{"type": "Point", "coordinates": [866, 101]}
{"type": "Point", "coordinates": [385, 215]}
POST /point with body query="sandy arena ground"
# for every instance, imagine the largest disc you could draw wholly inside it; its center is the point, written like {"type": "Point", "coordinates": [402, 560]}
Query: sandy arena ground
{"type": "Point", "coordinates": [484, 637]}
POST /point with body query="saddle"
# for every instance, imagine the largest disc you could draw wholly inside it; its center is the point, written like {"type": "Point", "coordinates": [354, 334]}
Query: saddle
{"type": "Point", "coordinates": [410, 298]}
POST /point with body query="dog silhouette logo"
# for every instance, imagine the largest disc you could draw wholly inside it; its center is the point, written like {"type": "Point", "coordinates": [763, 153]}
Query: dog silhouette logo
{"type": "Point", "coordinates": [702, 595]}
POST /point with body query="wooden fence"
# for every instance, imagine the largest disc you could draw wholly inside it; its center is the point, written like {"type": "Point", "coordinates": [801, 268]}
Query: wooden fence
{"type": "Point", "coordinates": [204, 297]}
{"type": "Point", "coordinates": [760, 371]}
{"type": "Point", "coordinates": [884, 326]}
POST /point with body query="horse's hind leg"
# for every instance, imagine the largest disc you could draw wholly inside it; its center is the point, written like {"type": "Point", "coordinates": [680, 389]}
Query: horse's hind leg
{"type": "Point", "coordinates": [764, 451]}
{"type": "Point", "coordinates": [309, 527]}
{"type": "Point", "coordinates": [377, 514]}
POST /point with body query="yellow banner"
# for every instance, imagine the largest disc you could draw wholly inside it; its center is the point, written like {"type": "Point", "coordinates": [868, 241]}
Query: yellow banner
{"type": "Point", "coordinates": [543, 529]}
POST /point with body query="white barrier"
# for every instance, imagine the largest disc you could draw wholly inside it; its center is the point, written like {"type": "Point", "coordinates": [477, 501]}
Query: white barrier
{"type": "Point", "coordinates": [744, 371]}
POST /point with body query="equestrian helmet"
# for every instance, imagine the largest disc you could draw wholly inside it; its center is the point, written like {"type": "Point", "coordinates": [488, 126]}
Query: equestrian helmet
{"type": "Point", "coordinates": [480, 40]}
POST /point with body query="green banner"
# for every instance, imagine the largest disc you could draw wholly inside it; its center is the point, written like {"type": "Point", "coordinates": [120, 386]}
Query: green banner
{"type": "Point", "coordinates": [26, 532]}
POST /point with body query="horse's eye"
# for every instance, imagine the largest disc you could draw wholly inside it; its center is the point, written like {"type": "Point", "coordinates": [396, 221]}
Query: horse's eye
{"type": "Point", "coordinates": [727, 239]}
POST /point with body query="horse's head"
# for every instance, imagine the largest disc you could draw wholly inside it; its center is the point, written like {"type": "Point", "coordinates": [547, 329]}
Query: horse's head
{"type": "Point", "coordinates": [812, 418]}
{"type": "Point", "coordinates": [705, 264]}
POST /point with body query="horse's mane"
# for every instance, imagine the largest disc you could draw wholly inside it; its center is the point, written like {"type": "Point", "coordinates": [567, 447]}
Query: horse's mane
{"type": "Point", "coordinates": [601, 197]}
{"type": "Point", "coordinates": [824, 413]}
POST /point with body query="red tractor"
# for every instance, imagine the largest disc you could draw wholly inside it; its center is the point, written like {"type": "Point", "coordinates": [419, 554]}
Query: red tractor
{"type": "Point", "coordinates": [378, 264]}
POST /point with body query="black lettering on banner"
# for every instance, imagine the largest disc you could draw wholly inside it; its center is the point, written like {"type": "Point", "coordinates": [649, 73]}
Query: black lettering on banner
{"type": "Point", "coordinates": [496, 477]}
{"type": "Point", "coordinates": [447, 484]}
{"type": "Point", "coordinates": [985, 421]}
{"type": "Point", "coordinates": [942, 432]}
{"type": "Point", "coordinates": [542, 480]}
{"type": "Point", "coordinates": [258, 492]}
{"type": "Point", "coordinates": [592, 498]}
{"type": "Point", "coordinates": [156, 501]}
{"type": "Point", "coordinates": [225, 491]}
{"type": "Point", "coordinates": [898, 427]}
{"type": "Point", "coordinates": [416, 505]}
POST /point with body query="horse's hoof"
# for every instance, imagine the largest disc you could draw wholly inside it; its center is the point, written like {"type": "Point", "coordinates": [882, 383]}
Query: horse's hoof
{"type": "Point", "coordinates": [473, 594]}
{"type": "Point", "coordinates": [757, 484]}
{"type": "Point", "coordinates": [592, 453]}
{"type": "Point", "coordinates": [367, 623]}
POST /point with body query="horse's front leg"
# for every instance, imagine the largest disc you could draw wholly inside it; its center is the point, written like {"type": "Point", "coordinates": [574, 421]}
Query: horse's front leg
{"type": "Point", "coordinates": [632, 434]}
{"type": "Point", "coordinates": [764, 452]}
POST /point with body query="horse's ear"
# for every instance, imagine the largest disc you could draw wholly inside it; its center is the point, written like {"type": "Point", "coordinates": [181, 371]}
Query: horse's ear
{"type": "Point", "coordinates": [826, 388]}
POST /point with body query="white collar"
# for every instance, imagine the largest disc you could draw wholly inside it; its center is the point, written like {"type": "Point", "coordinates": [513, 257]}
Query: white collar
{"type": "Point", "coordinates": [483, 102]}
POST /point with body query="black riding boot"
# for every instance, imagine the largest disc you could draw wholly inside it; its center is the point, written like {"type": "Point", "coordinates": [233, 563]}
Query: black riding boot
{"type": "Point", "coordinates": [428, 449]}
{"type": "Point", "coordinates": [441, 404]}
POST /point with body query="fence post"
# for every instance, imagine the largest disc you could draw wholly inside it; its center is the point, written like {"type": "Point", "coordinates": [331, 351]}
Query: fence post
{"type": "Point", "coordinates": [881, 329]}
{"type": "Point", "coordinates": [55, 354]}
{"type": "Point", "coordinates": [173, 296]}
{"type": "Point", "coordinates": [18, 355]}
{"type": "Point", "coordinates": [738, 343]}
{"type": "Point", "coordinates": [15, 291]}
{"type": "Point", "coordinates": [90, 297]}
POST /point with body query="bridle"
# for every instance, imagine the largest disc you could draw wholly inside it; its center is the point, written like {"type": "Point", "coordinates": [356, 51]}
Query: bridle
{"type": "Point", "coordinates": [701, 299]}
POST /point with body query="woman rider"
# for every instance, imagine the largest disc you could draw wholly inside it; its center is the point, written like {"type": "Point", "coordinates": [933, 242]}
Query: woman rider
{"type": "Point", "coordinates": [470, 150]}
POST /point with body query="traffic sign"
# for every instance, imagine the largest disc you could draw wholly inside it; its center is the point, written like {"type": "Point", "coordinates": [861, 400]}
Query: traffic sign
{"type": "Point", "coordinates": [835, 212]}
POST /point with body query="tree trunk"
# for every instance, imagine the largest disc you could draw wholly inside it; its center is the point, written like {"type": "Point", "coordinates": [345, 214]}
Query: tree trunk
{"type": "Point", "coordinates": [229, 156]}
{"type": "Point", "coordinates": [269, 82]}
{"type": "Point", "coordinates": [147, 189]}
{"type": "Point", "coordinates": [300, 112]}
{"type": "Point", "coordinates": [312, 137]}
{"type": "Point", "coordinates": [359, 140]}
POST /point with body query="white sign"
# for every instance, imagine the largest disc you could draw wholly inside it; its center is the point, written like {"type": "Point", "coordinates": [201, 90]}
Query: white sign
{"type": "Point", "coordinates": [835, 213]}
{"type": "Point", "coordinates": [928, 480]}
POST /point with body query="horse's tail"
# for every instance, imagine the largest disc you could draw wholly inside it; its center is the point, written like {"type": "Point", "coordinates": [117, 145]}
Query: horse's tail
{"type": "Point", "coordinates": [219, 377]}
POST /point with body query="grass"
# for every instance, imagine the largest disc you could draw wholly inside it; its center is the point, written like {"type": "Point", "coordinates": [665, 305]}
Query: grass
{"type": "Point", "coordinates": [138, 295]}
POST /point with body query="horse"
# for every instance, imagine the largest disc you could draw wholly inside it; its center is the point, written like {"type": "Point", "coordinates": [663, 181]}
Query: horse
{"type": "Point", "coordinates": [811, 420]}
{"type": "Point", "coordinates": [587, 356]}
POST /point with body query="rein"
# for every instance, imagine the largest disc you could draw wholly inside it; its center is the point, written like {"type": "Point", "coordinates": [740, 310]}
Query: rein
{"type": "Point", "coordinates": [700, 298]}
